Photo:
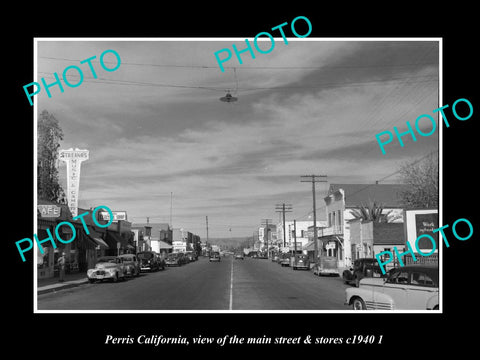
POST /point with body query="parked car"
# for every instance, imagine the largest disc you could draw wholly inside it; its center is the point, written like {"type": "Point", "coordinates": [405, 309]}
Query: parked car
{"type": "Point", "coordinates": [131, 263]}
{"type": "Point", "coordinates": [150, 261]}
{"type": "Point", "coordinates": [239, 255]}
{"type": "Point", "coordinates": [183, 258]}
{"type": "Point", "coordinates": [262, 255]}
{"type": "Point", "coordinates": [214, 256]}
{"type": "Point", "coordinates": [411, 287]}
{"type": "Point", "coordinates": [326, 265]}
{"type": "Point", "coordinates": [300, 261]}
{"type": "Point", "coordinates": [285, 259]}
{"type": "Point", "coordinates": [365, 267]}
{"type": "Point", "coordinates": [175, 259]}
{"type": "Point", "coordinates": [107, 268]}
{"type": "Point", "coordinates": [191, 256]}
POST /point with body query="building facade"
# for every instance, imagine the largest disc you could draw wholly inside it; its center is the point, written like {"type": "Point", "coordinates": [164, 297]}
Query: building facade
{"type": "Point", "coordinates": [335, 238]}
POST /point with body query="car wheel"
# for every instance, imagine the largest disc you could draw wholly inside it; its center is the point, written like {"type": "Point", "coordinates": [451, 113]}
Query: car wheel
{"type": "Point", "coordinates": [358, 304]}
{"type": "Point", "coordinates": [91, 281]}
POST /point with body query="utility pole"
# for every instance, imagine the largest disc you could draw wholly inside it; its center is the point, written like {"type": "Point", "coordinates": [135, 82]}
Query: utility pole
{"type": "Point", "coordinates": [267, 229]}
{"type": "Point", "coordinates": [171, 202]}
{"type": "Point", "coordinates": [283, 208]}
{"type": "Point", "coordinates": [295, 240]}
{"type": "Point", "coordinates": [206, 220]}
{"type": "Point", "coordinates": [313, 179]}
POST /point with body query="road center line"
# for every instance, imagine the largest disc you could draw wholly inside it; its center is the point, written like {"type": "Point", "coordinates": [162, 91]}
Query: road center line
{"type": "Point", "coordinates": [231, 287]}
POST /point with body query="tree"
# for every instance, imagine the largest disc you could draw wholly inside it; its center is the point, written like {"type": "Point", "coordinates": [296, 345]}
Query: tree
{"type": "Point", "coordinates": [371, 212]}
{"type": "Point", "coordinates": [49, 135]}
{"type": "Point", "coordinates": [422, 178]}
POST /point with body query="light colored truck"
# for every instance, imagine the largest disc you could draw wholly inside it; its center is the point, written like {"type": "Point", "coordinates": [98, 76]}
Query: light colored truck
{"type": "Point", "coordinates": [326, 265]}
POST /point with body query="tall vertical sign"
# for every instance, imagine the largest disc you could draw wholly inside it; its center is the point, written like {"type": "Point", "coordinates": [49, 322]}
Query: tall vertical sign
{"type": "Point", "coordinates": [73, 160]}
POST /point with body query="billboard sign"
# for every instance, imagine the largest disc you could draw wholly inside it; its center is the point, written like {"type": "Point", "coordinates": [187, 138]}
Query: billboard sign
{"type": "Point", "coordinates": [420, 222]}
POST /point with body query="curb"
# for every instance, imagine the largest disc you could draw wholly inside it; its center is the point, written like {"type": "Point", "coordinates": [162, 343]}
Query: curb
{"type": "Point", "coordinates": [59, 287]}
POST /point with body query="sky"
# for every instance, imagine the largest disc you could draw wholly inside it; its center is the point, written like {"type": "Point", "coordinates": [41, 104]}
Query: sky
{"type": "Point", "coordinates": [156, 129]}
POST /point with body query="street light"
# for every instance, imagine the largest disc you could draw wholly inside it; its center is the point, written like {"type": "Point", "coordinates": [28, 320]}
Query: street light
{"type": "Point", "coordinates": [228, 98]}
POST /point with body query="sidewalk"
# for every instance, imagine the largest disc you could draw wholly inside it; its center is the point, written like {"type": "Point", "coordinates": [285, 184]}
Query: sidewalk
{"type": "Point", "coordinates": [52, 284]}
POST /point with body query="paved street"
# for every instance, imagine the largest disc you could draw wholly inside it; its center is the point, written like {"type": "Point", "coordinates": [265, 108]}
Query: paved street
{"type": "Point", "coordinates": [250, 284]}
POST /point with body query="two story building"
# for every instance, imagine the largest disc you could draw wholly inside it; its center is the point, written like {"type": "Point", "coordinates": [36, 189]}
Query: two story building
{"type": "Point", "coordinates": [335, 239]}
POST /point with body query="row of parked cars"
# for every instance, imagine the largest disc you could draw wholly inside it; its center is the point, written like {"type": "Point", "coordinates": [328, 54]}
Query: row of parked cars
{"type": "Point", "coordinates": [298, 261]}
{"type": "Point", "coordinates": [115, 268]}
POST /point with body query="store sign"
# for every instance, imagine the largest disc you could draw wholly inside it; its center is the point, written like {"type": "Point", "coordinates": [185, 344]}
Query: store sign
{"type": "Point", "coordinates": [117, 215]}
{"type": "Point", "coordinates": [73, 160]}
{"type": "Point", "coordinates": [422, 222]}
{"type": "Point", "coordinates": [425, 224]}
{"type": "Point", "coordinates": [49, 211]}
{"type": "Point", "coordinates": [330, 245]}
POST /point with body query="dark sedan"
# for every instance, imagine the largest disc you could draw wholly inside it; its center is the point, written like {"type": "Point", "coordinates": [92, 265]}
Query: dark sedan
{"type": "Point", "coordinates": [365, 267]}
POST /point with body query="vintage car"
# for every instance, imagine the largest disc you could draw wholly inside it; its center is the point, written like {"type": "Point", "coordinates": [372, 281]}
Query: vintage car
{"type": "Point", "coordinates": [175, 259]}
{"type": "Point", "coordinates": [191, 256]}
{"type": "Point", "coordinates": [411, 287]}
{"type": "Point", "coordinates": [132, 264]}
{"type": "Point", "coordinates": [285, 259]}
{"type": "Point", "coordinates": [365, 267]}
{"type": "Point", "coordinates": [239, 255]}
{"type": "Point", "coordinates": [326, 266]}
{"type": "Point", "coordinates": [150, 261]}
{"type": "Point", "coordinates": [300, 261]}
{"type": "Point", "coordinates": [214, 256]}
{"type": "Point", "coordinates": [107, 268]}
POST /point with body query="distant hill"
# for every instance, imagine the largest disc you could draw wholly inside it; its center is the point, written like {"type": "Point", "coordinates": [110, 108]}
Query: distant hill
{"type": "Point", "coordinates": [231, 243]}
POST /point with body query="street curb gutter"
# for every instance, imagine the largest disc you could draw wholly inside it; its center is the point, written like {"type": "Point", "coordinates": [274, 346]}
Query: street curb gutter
{"type": "Point", "coordinates": [60, 286]}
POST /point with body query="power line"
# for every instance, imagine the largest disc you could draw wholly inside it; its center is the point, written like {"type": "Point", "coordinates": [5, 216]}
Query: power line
{"type": "Point", "coordinates": [254, 67]}
{"type": "Point", "coordinates": [313, 86]}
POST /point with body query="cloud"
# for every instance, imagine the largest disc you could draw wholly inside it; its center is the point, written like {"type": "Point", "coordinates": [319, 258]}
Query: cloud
{"type": "Point", "coordinates": [307, 107]}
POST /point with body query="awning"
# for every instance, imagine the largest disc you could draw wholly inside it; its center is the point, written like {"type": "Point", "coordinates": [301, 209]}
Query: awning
{"type": "Point", "coordinates": [164, 245]}
{"type": "Point", "coordinates": [112, 239]}
{"type": "Point", "coordinates": [97, 239]}
{"type": "Point", "coordinates": [310, 246]}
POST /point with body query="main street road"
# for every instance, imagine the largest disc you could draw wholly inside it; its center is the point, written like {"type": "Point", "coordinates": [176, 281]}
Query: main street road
{"type": "Point", "coordinates": [250, 284]}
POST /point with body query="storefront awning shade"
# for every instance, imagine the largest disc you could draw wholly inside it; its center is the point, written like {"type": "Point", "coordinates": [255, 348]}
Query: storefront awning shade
{"type": "Point", "coordinates": [97, 239]}
{"type": "Point", "coordinates": [164, 245]}
{"type": "Point", "coordinates": [113, 238]}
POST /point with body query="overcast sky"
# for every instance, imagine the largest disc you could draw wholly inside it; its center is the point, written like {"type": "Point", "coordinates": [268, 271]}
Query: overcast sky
{"type": "Point", "coordinates": [156, 125]}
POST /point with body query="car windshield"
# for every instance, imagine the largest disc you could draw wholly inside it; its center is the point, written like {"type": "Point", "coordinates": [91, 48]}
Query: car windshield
{"type": "Point", "coordinates": [172, 256]}
{"type": "Point", "coordinates": [145, 255]}
{"type": "Point", "coordinates": [104, 260]}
